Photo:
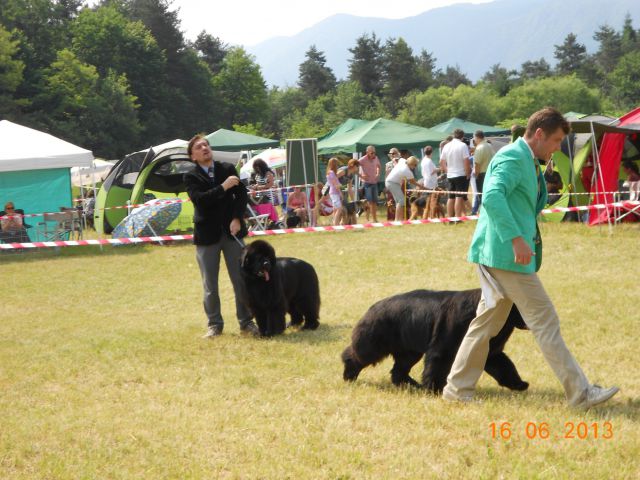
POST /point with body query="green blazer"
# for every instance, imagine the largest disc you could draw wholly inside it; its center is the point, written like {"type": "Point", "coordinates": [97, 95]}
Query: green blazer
{"type": "Point", "coordinates": [514, 193]}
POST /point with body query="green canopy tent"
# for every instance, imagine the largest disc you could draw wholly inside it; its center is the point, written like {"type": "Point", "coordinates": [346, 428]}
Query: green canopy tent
{"type": "Point", "coordinates": [230, 141]}
{"type": "Point", "coordinates": [355, 135]}
{"type": "Point", "coordinates": [468, 128]}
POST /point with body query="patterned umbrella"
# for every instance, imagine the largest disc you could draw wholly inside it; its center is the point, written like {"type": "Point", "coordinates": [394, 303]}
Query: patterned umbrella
{"type": "Point", "coordinates": [150, 220]}
{"type": "Point", "coordinates": [274, 157]}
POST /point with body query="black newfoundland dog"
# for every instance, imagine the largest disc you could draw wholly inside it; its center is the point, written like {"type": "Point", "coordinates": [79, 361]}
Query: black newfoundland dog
{"type": "Point", "coordinates": [430, 323]}
{"type": "Point", "coordinates": [274, 286]}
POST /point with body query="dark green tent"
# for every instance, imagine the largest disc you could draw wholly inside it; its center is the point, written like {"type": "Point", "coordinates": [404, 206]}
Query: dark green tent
{"type": "Point", "coordinates": [468, 128]}
{"type": "Point", "coordinates": [355, 135]}
{"type": "Point", "coordinates": [230, 141]}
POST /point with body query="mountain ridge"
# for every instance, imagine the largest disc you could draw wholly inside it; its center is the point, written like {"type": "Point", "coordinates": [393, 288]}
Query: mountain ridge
{"type": "Point", "coordinates": [471, 36]}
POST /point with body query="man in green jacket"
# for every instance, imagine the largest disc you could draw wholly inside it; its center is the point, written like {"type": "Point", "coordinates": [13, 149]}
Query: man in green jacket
{"type": "Point", "coordinates": [505, 242]}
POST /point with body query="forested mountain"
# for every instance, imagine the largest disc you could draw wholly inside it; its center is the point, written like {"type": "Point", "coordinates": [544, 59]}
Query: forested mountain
{"type": "Point", "coordinates": [472, 36]}
{"type": "Point", "coordinates": [118, 75]}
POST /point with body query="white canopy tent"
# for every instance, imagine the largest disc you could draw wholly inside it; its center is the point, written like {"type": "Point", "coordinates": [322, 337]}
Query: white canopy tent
{"type": "Point", "coordinates": [23, 148]}
{"type": "Point", "coordinates": [35, 169]}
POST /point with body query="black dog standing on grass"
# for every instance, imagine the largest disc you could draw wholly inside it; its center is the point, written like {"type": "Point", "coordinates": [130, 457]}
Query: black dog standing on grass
{"type": "Point", "coordinates": [430, 324]}
{"type": "Point", "coordinates": [274, 286]}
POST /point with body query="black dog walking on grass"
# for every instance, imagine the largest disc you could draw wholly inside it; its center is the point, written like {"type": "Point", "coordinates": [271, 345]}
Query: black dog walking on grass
{"type": "Point", "coordinates": [426, 323]}
{"type": "Point", "coordinates": [274, 287]}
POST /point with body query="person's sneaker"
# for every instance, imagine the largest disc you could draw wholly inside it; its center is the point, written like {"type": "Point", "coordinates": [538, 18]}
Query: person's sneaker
{"type": "Point", "coordinates": [250, 329]}
{"type": "Point", "coordinates": [597, 395]}
{"type": "Point", "coordinates": [213, 331]}
{"type": "Point", "coordinates": [450, 397]}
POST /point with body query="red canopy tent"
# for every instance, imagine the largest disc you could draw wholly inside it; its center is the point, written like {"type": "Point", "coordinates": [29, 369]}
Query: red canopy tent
{"type": "Point", "coordinates": [610, 156]}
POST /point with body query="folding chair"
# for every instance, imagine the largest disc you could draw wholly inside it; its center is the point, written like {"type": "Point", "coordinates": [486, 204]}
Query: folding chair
{"type": "Point", "coordinates": [255, 221]}
{"type": "Point", "coordinates": [634, 196]}
{"type": "Point", "coordinates": [57, 226]}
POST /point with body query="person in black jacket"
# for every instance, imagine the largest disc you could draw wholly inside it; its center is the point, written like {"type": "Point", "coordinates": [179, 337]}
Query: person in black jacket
{"type": "Point", "coordinates": [219, 203]}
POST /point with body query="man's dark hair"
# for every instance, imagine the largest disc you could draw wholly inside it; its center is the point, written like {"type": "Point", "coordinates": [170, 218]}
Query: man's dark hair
{"type": "Point", "coordinates": [428, 150]}
{"type": "Point", "coordinates": [458, 133]}
{"type": "Point", "coordinates": [479, 134]}
{"type": "Point", "coordinates": [193, 140]}
{"type": "Point", "coordinates": [549, 120]}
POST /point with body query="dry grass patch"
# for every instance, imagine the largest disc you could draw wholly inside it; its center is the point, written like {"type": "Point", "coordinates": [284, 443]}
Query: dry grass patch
{"type": "Point", "coordinates": [103, 373]}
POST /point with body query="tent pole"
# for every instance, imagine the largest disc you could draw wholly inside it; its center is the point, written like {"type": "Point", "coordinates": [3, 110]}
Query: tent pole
{"type": "Point", "coordinates": [596, 159]}
{"type": "Point", "coordinates": [572, 177]}
{"type": "Point", "coordinates": [304, 172]}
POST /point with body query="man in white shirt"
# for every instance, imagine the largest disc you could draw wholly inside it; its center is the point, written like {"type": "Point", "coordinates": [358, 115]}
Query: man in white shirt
{"type": "Point", "coordinates": [428, 169]}
{"type": "Point", "coordinates": [454, 160]}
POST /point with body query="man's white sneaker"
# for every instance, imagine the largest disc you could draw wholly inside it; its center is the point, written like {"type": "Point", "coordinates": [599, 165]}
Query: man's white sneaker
{"type": "Point", "coordinates": [597, 395]}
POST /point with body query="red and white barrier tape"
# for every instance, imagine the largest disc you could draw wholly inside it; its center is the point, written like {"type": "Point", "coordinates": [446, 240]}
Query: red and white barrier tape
{"type": "Point", "coordinates": [329, 228]}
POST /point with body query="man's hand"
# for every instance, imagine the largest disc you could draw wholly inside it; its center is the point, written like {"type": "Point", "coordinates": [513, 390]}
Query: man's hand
{"type": "Point", "coordinates": [234, 226]}
{"type": "Point", "coordinates": [521, 251]}
{"type": "Point", "coordinates": [230, 182]}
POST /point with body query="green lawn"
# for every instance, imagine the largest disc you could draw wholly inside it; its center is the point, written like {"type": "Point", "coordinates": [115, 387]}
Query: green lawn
{"type": "Point", "coordinates": [103, 373]}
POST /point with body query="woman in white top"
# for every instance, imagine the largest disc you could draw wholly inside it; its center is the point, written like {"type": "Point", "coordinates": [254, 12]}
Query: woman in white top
{"type": "Point", "coordinates": [400, 174]}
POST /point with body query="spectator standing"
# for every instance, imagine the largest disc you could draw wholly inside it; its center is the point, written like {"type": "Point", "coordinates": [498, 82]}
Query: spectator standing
{"type": "Point", "coordinates": [455, 161]}
{"type": "Point", "coordinates": [334, 189]}
{"type": "Point", "coordinates": [370, 173]}
{"type": "Point", "coordinates": [428, 169]}
{"type": "Point", "coordinates": [482, 155]}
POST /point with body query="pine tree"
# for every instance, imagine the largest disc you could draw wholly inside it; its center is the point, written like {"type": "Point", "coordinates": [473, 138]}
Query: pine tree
{"type": "Point", "coordinates": [365, 65]}
{"type": "Point", "coordinates": [315, 77]}
{"type": "Point", "coordinates": [571, 55]}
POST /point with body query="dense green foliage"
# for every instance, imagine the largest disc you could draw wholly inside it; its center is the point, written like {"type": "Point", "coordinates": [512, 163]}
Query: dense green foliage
{"type": "Point", "coordinates": [120, 75]}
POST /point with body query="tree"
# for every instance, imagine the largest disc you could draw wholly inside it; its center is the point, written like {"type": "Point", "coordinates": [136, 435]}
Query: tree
{"type": "Point", "coordinates": [401, 72]}
{"type": "Point", "coordinates": [212, 50]}
{"type": "Point", "coordinates": [499, 79]}
{"type": "Point", "coordinates": [162, 22]}
{"type": "Point", "coordinates": [11, 71]}
{"type": "Point", "coordinates": [532, 69]}
{"type": "Point", "coordinates": [242, 89]}
{"type": "Point", "coordinates": [365, 65]}
{"type": "Point", "coordinates": [565, 93]}
{"type": "Point", "coordinates": [427, 108]}
{"type": "Point", "coordinates": [452, 77]}
{"type": "Point", "coordinates": [570, 55]}
{"type": "Point", "coordinates": [625, 81]}
{"type": "Point", "coordinates": [426, 64]}
{"type": "Point", "coordinates": [629, 40]}
{"type": "Point", "coordinates": [351, 102]}
{"type": "Point", "coordinates": [196, 98]}
{"type": "Point", "coordinates": [106, 39]}
{"type": "Point", "coordinates": [315, 78]}
{"type": "Point", "coordinates": [477, 104]}
{"type": "Point", "coordinates": [42, 29]}
{"type": "Point", "coordinates": [610, 48]}
{"type": "Point", "coordinates": [283, 104]}
{"type": "Point", "coordinates": [86, 109]}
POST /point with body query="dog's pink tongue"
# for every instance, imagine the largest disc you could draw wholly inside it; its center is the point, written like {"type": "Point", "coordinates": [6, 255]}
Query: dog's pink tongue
{"type": "Point", "coordinates": [266, 276]}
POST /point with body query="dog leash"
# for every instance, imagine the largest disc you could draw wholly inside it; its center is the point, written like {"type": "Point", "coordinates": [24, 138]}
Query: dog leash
{"type": "Point", "coordinates": [240, 242]}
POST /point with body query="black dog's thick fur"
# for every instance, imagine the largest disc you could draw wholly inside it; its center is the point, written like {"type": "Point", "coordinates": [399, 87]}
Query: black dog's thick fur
{"type": "Point", "coordinates": [274, 286]}
{"type": "Point", "coordinates": [429, 323]}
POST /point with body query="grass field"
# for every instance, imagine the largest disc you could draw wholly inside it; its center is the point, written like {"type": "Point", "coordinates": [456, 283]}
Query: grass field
{"type": "Point", "coordinates": [103, 373]}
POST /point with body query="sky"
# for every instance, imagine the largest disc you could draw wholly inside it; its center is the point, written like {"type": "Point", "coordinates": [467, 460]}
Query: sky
{"type": "Point", "coordinates": [249, 22]}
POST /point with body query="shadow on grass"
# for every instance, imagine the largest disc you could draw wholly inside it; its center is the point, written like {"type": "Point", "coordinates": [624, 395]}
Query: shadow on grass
{"type": "Point", "coordinates": [323, 334]}
{"type": "Point", "coordinates": [28, 255]}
